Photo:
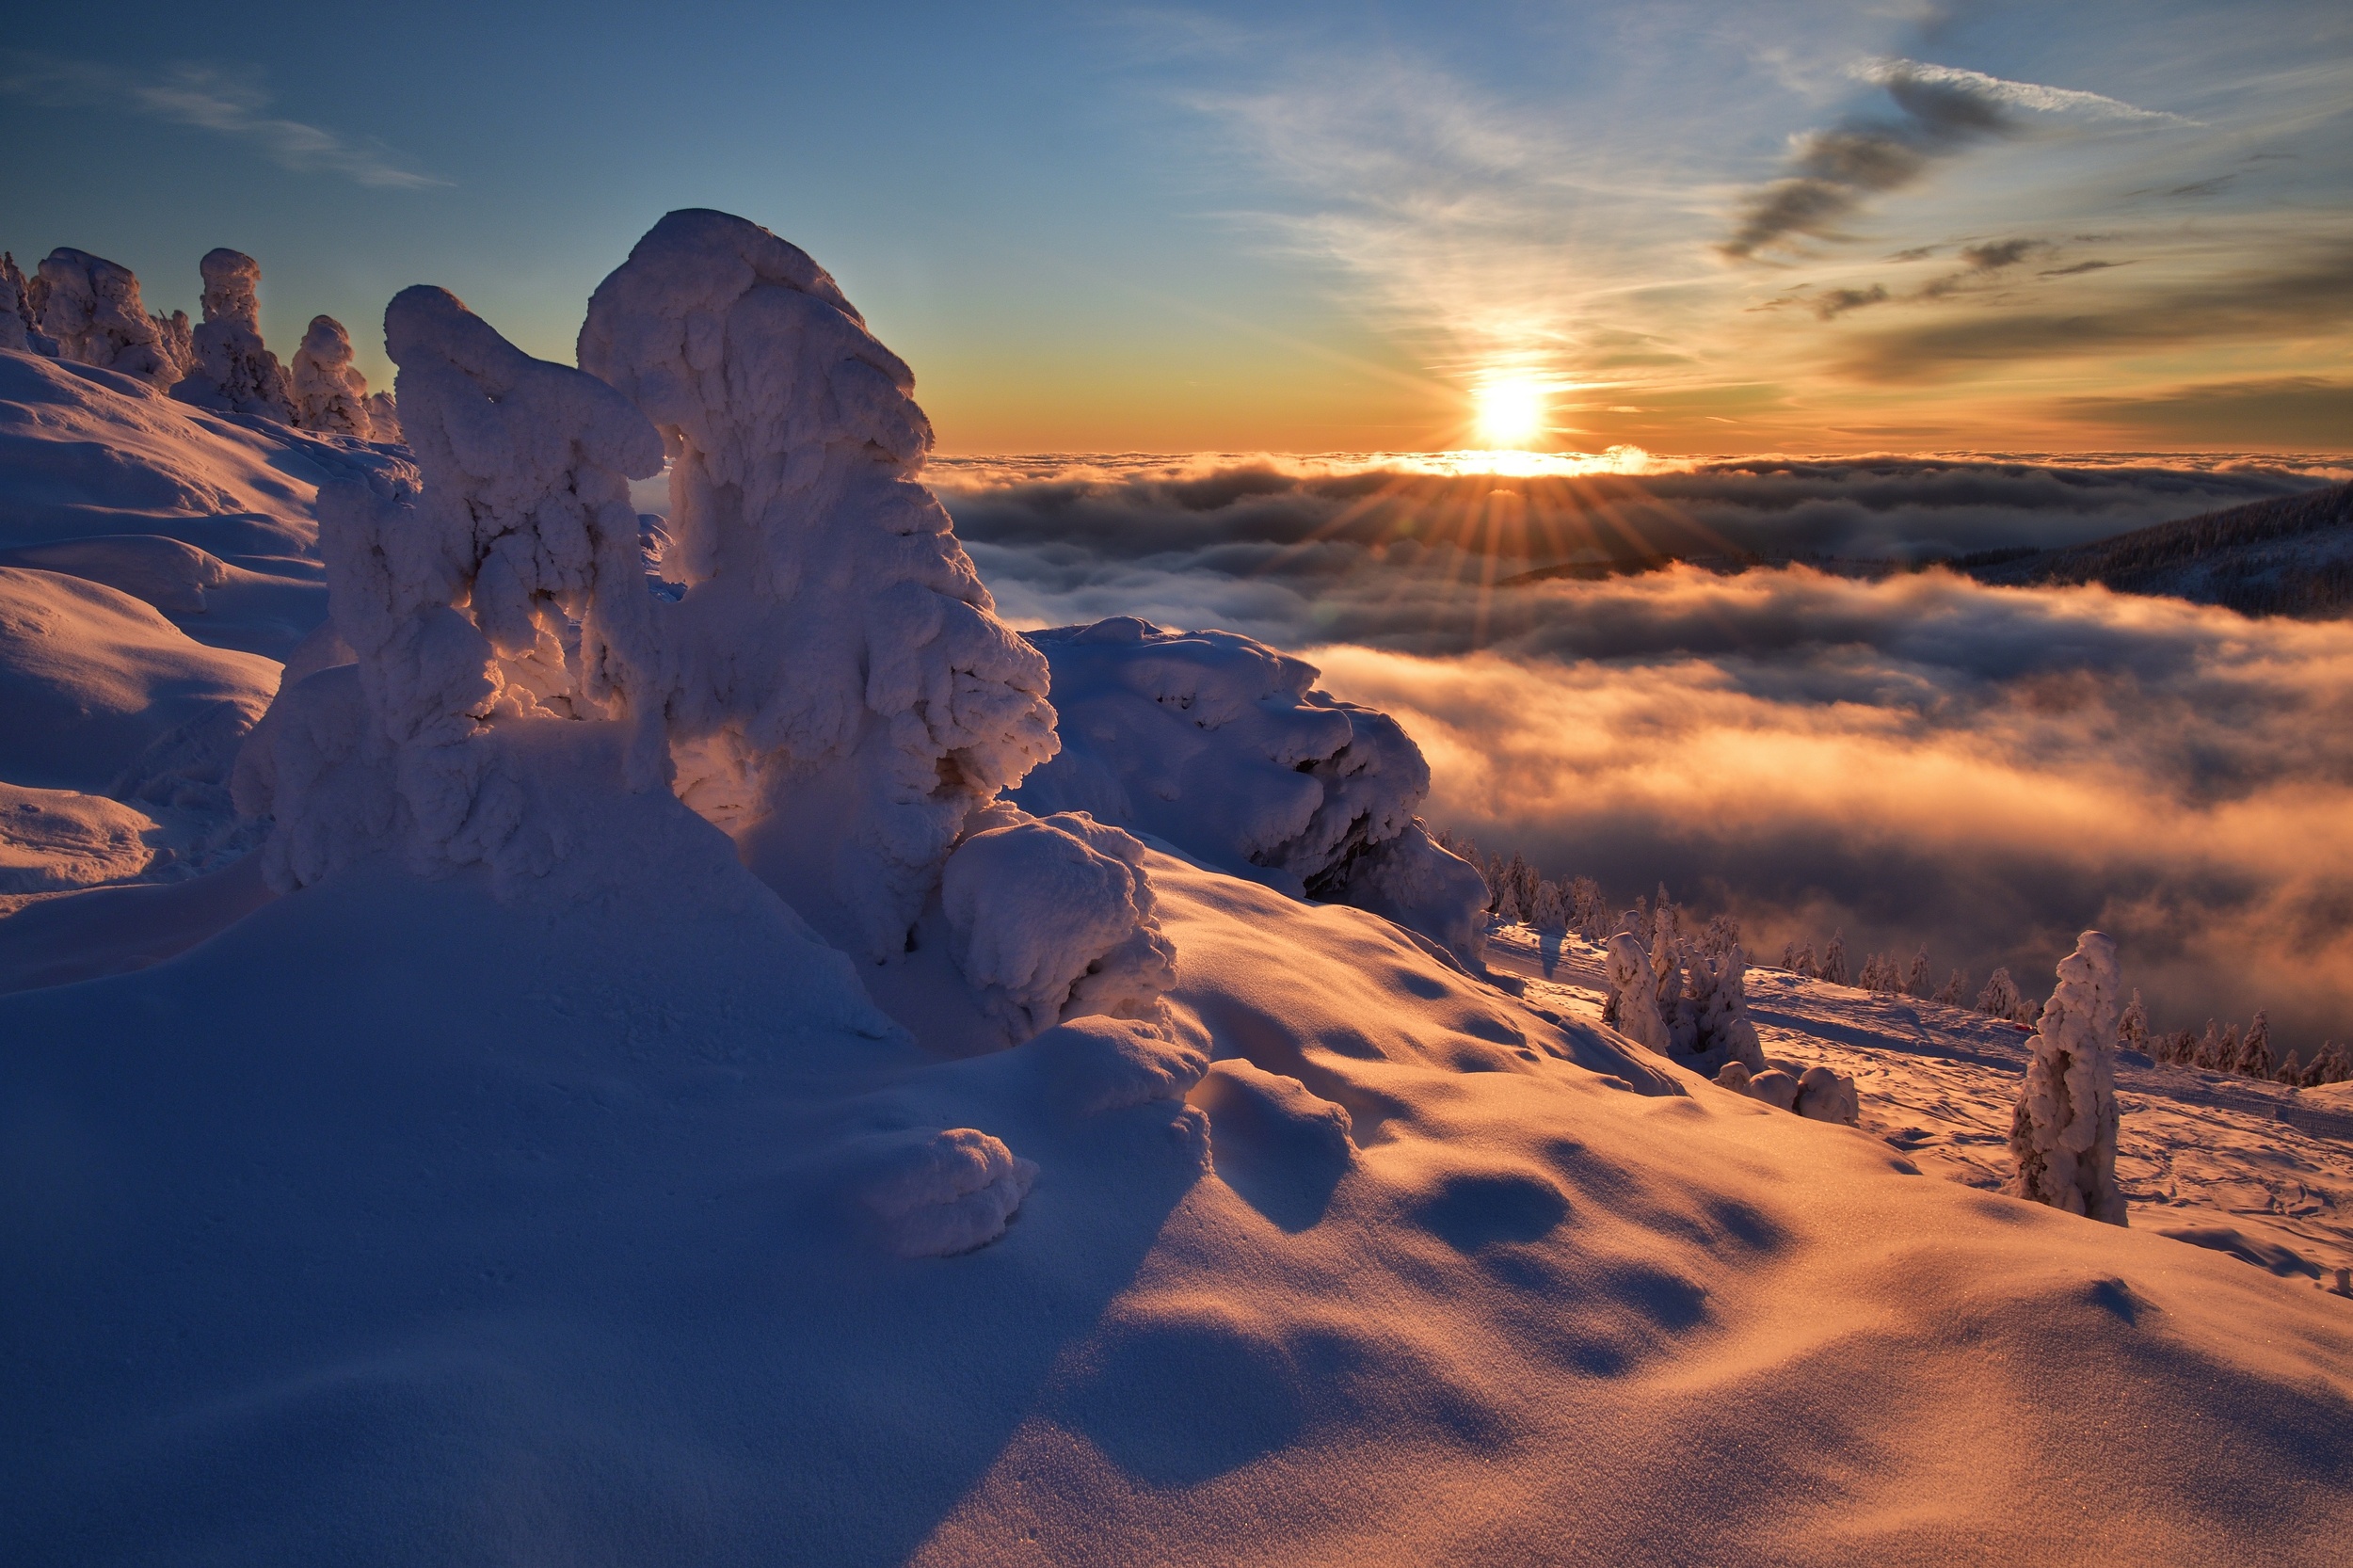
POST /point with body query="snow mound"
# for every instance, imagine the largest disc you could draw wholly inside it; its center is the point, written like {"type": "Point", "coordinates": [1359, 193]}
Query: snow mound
{"type": "Point", "coordinates": [940, 1194]}
{"type": "Point", "coordinates": [230, 370]}
{"type": "Point", "coordinates": [1052, 919]}
{"type": "Point", "coordinates": [52, 840]}
{"type": "Point", "coordinates": [91, 679]}
{"type": "Point", "coordinates": [834, 684]}
{"type": "Point", "coordinates": [1220, 745]}
{"type": "Point", "coordinates": [91, 307]}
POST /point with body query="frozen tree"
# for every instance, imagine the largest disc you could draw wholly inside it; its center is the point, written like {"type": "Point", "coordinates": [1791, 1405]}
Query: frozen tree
{"type": "Point", "coordinates": [329, 393]}
{"type": "Point", "coordinates": [1805, 964]}
{"type": "Point", "coordinates": [506, 589]}
{"type": "Point", "coordinates": [1550, 910]}
{"type": "Point", "coordinates": [2254, 1057]}
{"type": "Point", "coordinates": [834, 686]}
{"type": "Point", "coordinates": [2000, 997]}
{"type": "Point", "coordinates": [1632, 1006]}
{"type": "Point", "coordinates": [20, 328]}
{"type": "Point", "coordinates": [2292, 1070]}
{"type": "Point", "coordinates": [1916, 978]}
{"type": "Point", "coordinates": [2064, 1132]}
{"type": "Point", "coordinates": [230, 370]}
{"type": "Point", "coordinates": [1834, 959]}
{"type": "Point", "coordinates": [1524, 883]}
{"type": "Point", "coordinates": [1587, 909]}
{"type": "Point", "coordinates": [91, 307]}
{"type": "Point", "coordinates": [384, 417]}
{"type": "Point", "coordinates": [1955, 988]}
{"type": "Point", "coordinates": [1878, 974]}
{"type": "Point", "coordinates": [2131, 1026]}
{"type": "Point", "coordinates": [1717, 993]}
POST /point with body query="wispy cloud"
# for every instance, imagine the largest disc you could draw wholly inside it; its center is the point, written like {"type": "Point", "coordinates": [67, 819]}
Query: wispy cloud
{"type": "Point", "coordinates": [208, 98]}
{"type": "Point", "coordinates": [1941, 112]}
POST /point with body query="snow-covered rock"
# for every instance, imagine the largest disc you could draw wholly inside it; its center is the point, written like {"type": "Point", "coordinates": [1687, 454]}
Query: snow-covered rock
{"type": "Point", "coordinates": [1222, 746]}
{"type": "Point", "coordinates": [2064, 1134]}
{"type": "Point", "coordinates": [230, 370]}
{"type": "Point", "coordinates": [834, 681]}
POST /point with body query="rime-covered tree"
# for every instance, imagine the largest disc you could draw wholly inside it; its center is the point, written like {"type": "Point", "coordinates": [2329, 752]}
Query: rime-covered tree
{"type": "Point", "coordinates": [230, 370]}
{"type": "Point", "coordinates": [91, 307]}
{"type": "Point", "coordinates": [2131, 1026]}
{"type": "Point", "coordinates": [2000, 997]}
{"type": "Point", "coordinates": [329, 393]}
{"type": "Point", "coordinates": [1804, 962]}
{"type": "Point", "coordinates": [1589, 909]}
{"type": "Point", "coordinates": [1916, 978]}
{"type": "Point", "coordinates": [2063, 1134]}
{"type": "Point", "coordinates": [2292, 1070]}
{"type": "Point", "coordinates": [20, 328]}
{"type": "Point", "coordinates": [1550, 911]}
{"type": "Point", "coordinates": [1523, 879]}
{"type": "Point", "coordinates": [2254, 1057]}
{"type": "Point", "coordinates": [1834, 959]}
{"type": "Point", "coordinates": [1955, 988]}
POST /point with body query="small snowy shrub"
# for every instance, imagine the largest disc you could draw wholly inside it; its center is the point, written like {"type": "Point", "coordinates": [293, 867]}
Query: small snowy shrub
{"type": "Point", "coordinates": [2063, 1135]}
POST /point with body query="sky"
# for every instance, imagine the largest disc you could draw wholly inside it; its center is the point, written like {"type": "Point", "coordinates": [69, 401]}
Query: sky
{"type": "Point", "coordinates": [1788, 226]}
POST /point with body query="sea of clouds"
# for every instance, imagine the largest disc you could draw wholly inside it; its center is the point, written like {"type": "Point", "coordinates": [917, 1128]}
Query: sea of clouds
{"type": "Point", "coordinates": [1910, 758]}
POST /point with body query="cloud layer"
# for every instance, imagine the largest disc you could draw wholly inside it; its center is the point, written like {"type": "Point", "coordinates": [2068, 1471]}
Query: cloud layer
{"type": "Point", "coordinates": [1915, 759]}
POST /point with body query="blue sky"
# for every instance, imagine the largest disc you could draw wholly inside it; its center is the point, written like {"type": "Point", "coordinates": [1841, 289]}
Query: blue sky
{"type": "Point", "coordinates": [2019, 226]}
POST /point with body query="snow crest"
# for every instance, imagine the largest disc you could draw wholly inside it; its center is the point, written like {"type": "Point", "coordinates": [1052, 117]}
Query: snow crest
{"type": "Point", "coordinates": [834, 686]}
{"type": "Point", "coordinates": [2064, 1134]}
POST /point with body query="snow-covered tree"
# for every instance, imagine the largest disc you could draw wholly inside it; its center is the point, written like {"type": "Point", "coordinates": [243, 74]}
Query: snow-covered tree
{"type": "Point", "coordinates": [2254, 1057]}
{"type": "Point", "coordinates": [19, 327]}
{"type": "Point", "coordinates": [2292, 1070]}
{"type": "Point", "coordinates": [1956, 987]}
{"type": "Point", "coordinates": [1500, 901]}
{"type": "Point", "coordinates": [1523, 878]}
{"type": "Point", "coordinates": [91, 307]}
{"type": "Point", "coordinates": [230, 370]}
{"type": "Point", "coordinates": [2131, 1026]}
{"type": "Point", "coordinates": [384, 417]}
{"type": "Point", "coordinates": [1551, 911]}
{"type": "Point", "coordinates": [1589, 909]}
{"type": "Point", "coordinates": [2063, 1135]}
{"type": "Point", "coordinates": [1804, 962]}
{"type": "Point", "coordinates": [2000, 997]}
{"type": "Point", "coordinates": [1834, 959]}
{"type": "Point", "coordinates": [835, 686]}
{"type": "Point", "coordinates": [1916, 978]}
{"type": "Point", "coordinates": [1632, 1007]}
{"type": "Point", "coordinates": [329, 393]}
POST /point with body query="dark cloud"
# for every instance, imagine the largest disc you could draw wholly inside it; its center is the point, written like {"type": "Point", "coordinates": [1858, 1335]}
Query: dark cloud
{"type": "Point", "coordinates": [2294, 413]}
{"type": "Point", "coordinates": [2312, 297]}
{"type": "Point", "coordinates": [1914, 758]}
{"type": "Point", "coordinates": [1830, 173]}
{"type": "Point", "coordinates": [2078, 267]}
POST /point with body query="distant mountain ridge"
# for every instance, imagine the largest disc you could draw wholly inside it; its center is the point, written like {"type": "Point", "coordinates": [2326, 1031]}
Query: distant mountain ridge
{"type": "Point", "coordinates": [2289, 556]}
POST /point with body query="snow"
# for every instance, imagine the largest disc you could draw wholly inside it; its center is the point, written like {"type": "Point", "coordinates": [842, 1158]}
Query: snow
{"type": "Point", "coordinates": [834, 683]}
{"type": "Point", "coordinates": [2064, 1135]}
{"type": "Point", "coordinates": [1220, 745]}
{"type": "Point", "coordinates": [328, 390]}
{"type": "Point", "coordinates": [544, 1143]}
{"type": "Point", "coordinates": [230, 370]}
{"type": "Point", "coordinates": [91, 307]}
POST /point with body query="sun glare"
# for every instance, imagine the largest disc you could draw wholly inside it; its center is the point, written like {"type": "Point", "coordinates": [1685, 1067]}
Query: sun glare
{"type": "Point", "coordinates": [1508, 414]}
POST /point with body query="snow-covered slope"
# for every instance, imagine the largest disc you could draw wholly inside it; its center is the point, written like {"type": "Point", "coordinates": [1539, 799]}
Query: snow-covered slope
{"type": "Point", "coordinates": [517, 1172]}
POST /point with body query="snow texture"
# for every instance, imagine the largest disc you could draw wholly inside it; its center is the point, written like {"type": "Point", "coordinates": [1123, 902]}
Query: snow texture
{"type": "Point", "coordinates": [2064, 1134]}
{"type": "Point", "coordinates": [91, 307]}
{"type": "Point", "coordinates": [506, 589]}
{"type": "Point", "coordinates": [834, 684]}
{"type": "Point", "coordinates": [230, 370]}
{"type": "Point", "coordinates": [328, 390]}
{"type": "Point", "coordinates": [1220, 745]}
{"type": "Point", "coordinates": [939, 1193]}
{"type": "Point", "coordinates": [1052, 919]}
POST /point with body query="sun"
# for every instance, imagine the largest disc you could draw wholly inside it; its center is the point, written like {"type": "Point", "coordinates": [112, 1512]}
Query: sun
{"type": "Point", "coordinates": [1509, 414]}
